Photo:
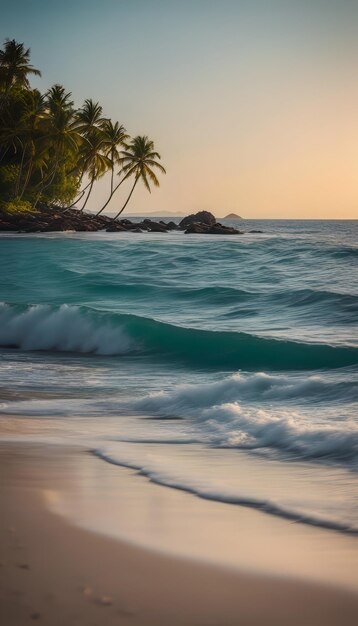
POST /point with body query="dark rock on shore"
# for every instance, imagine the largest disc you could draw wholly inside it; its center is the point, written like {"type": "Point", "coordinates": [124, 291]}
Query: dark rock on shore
{"type": "Point", "coordinates": [172, 226]}
{"type": "Point", "coordinates": [56, 219]}
{"type": "Point", "coordinates": [157, 227]}
{"type": "Point", "coordinates": [197, 228]}
{"type": "Point", "coordinates": [52, 219]}
{"type": "Point", "coordinates": [220, 229]}
{"type": "Point", "coordinates": [204, 223]}
{"type": "Point", "coordinates": [115, 227]}
{"type": "Point", "coordinates": [145, 225]}
{"type": "Point", "coordinates": [203, 217]}
{"type": "Point", "coordinates": [214, 229]}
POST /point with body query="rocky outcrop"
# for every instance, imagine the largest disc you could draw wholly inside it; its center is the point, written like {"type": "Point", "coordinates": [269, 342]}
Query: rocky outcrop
{"type": "Point", "coordinates": [154, 227]}
{"type": "Point", "coordinates": [197, 228]}
{"type": "Point", "coordinates": [203, 217]}
{"type": "Point", "coordinates": [115, 227]}
{"type": "Point", "coordinates": [215, 229]}
{"type": "Point", "coordinates": [52, 219]}
{"type": "Point", "coordinates": [220, 229]}
{"type": "Point", "coordinates": [172, 226]}
{"type": "Point", "coordinates": [56, 219]}
{"type": "Point", "coordinates": [204, 223]}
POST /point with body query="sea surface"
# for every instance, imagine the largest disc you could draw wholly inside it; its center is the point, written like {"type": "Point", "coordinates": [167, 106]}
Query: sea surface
{"type": "Point", "coordinates": [223, 366]}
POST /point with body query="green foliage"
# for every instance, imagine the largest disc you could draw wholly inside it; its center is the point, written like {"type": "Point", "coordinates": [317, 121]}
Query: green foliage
{"type": "Point", "coordinates": [62, 189]}
{"type": "Point", "coordinates": [48, 149]}
{"type": "Point", "coordinates": [8, 176]}
{"type": "Point", "coordinates": [15, 65]}
{"type": "Point", "coordinates": [17, 207]}
{"type": "Point", "coordinates": [139, 159]}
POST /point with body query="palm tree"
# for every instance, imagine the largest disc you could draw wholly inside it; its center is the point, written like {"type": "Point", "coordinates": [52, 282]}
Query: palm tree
{"type": "Point", "coordinates": [63, 130]}
{"type": "Point", "coordinates": [15, 65]}
{"type": "Point", "coordinates": [58, 99]}
{"type": "Point", "coordinates": [114, 135]}
{"type": "Point", "coordinates": [50, 151]}
{"type": "Point", "coordinates": [62, 136]}
{"type": "Point", "coordinates": [89, 117]}
{"type": "Point", "coordinates": [31, 130]}
{"type": "Point", "coordinates": [11, 122]}
{"type": "Point", "coordinates": [97, 162]}
{"type": "Point", "coordinates": [89, 123]}
{"type": "Point", "coordinates": [138, 160]}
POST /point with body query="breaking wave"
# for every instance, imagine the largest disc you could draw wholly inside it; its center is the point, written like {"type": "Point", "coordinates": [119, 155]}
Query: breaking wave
{"type": "Point", "coordinates": [71, 328]}
{"type": "Point", "coordinates": [253, 412]}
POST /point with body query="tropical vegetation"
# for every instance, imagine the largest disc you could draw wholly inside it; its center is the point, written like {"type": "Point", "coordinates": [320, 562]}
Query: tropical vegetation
{"type": "Point", "coordinates": [52, 153]}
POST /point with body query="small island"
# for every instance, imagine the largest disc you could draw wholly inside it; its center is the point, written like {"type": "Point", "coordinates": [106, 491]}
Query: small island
{"type": "Point", "coordinates": [232, 216]}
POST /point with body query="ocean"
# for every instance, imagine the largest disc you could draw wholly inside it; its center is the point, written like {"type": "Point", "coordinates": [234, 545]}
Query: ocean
{"type": "Point", "coordinates": [223, 366]}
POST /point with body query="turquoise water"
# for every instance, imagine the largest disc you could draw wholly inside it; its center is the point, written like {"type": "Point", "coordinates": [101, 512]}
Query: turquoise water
{"type": "Point", "coordinates": [175, 354]}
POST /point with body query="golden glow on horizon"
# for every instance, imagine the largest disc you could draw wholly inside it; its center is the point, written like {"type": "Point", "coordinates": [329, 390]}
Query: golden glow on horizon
{"type": "Point", "coordinates": [287, 158]}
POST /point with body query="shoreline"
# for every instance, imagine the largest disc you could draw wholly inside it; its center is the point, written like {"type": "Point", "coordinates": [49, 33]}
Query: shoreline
{"type": "Point", "coordinates": [46, 219]}
{"type": "Point", "coordinates": [65, 574]}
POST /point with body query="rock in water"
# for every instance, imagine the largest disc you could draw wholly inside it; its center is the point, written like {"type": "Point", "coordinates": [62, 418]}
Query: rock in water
{"type": "Point", "coordinates": [203, 217]}
{"type": "Point", "coordinates": [172, 226]}
{"type": "Point", "coordinates": [197, 227]}
{"type": "Point", "coordinates": [215, 229]}
{"type": "Point", "coordinates": [220, 229]}
{"type": "Point", "coordinates": [157, 227]}
{"type": "Point", "coordinates": [115, 227]}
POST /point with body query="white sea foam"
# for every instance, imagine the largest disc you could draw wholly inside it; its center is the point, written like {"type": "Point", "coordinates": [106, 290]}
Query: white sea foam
{"type": "Point", "coordinates": [65, 329]}
{"type": "Point", "coordinates": [222, 419]}
{"type": "Point", "coordinates": [259, 386]}
{"type": "Point", "coordinates": [248, 486]}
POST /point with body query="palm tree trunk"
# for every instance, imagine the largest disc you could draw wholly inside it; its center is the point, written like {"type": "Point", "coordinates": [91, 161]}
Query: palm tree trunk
{"type": "Point", "coordinates": [48, 180]}
{"type": "Point", "coordinates": [4, 153]}
{"type": "Point", "coordinates": [82, 193]}
{"type": "Point", "coordinates": [27, 178]}
{"type": "Point", "coordinates": [110, 197]}
{"type": "Point", "coordinates": [18, 180]}
{"type": "Point", "coordinates": [78, 198]}
{"type": "Point", "coordinates": [88, 195]}
{"type": "Point", "coordinates": [112, 177]}
{"type": "Point", "coordinates": [126, 202]}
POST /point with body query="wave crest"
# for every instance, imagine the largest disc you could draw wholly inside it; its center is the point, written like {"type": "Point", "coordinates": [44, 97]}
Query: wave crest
{"type": "Point", "coordinates": [64, 329]}
{"type": "Point", "coordinates": [222, 420]}
{"type": "Point", "coordinates": [83, 329]}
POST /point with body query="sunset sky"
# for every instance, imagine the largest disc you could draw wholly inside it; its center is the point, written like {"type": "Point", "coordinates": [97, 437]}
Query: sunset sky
{"type": "Point", "coordinates": [252, 105]}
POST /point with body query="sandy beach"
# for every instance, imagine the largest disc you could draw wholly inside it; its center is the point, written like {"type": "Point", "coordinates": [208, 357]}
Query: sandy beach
{"type": "Point", "coordinates": [54, 572]}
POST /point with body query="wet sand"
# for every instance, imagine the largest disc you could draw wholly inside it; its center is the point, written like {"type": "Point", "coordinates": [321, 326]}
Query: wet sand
{"type": "Point", "coordinates": [55, 572]}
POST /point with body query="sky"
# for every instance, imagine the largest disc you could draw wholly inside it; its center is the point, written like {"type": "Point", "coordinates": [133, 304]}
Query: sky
{"type": "Point", "coordinates": [252, 104]}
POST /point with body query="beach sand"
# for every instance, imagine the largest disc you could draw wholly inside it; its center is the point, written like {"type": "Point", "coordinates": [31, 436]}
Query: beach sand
{"type": "Point", "coordinates": [55, 572]}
